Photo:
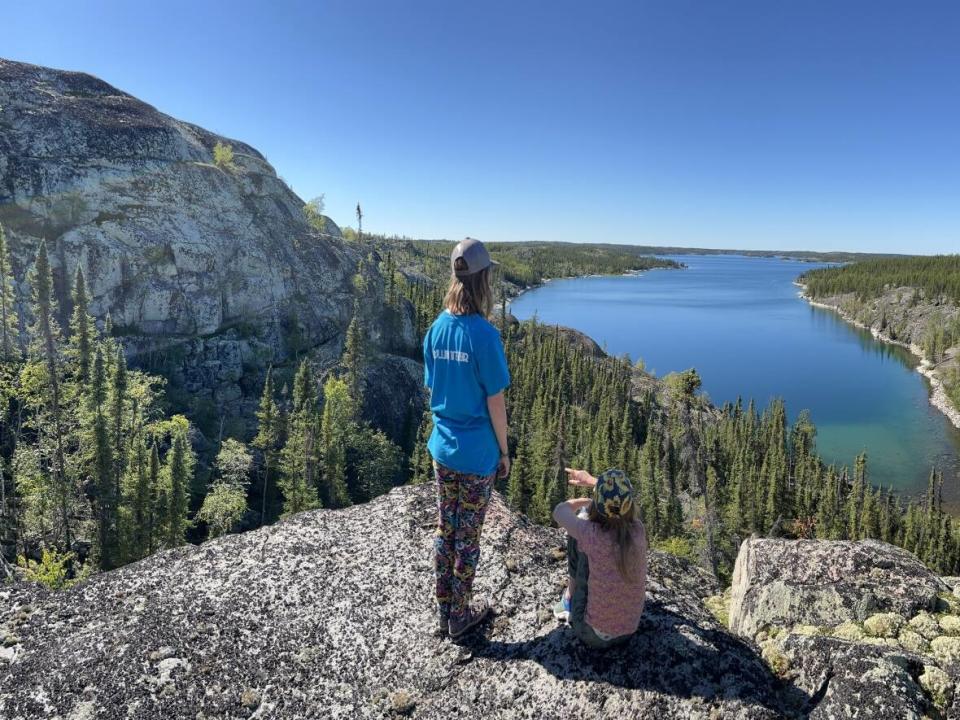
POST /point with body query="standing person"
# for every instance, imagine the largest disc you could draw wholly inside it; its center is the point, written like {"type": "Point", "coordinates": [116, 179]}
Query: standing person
{"type": "Point", "coordinates": [606, 560]}
{"type": "Point", "coordinates": [466, 371]}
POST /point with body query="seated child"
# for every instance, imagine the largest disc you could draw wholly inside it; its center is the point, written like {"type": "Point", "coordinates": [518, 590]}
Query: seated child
{"type": "Point", "coordinates": [606, 559]}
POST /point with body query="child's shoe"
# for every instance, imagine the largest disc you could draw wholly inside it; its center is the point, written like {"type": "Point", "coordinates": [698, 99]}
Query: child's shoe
{"type": "Point", "coordinates": [561, 611]}
{"type": "Point", "coordinates": [473, 617]}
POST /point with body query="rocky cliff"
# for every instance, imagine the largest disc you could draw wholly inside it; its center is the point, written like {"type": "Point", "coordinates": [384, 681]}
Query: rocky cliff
{"type": "Point", "coordinates": [207, 271]}
{"type": "Point", "coordinates": [329, 614]}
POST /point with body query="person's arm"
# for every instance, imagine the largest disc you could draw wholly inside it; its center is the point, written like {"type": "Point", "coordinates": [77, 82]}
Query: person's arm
{"type": "Point", "coordinates": [497, 407]}
{"type": "Point", "coordinates": [566, 512]}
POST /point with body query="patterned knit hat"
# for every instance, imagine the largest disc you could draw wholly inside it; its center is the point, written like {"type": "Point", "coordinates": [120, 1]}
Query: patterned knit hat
{"type": "Point", "coordinates": [613, 494]}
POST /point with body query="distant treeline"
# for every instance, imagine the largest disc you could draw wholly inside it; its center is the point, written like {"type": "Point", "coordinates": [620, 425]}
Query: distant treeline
{"type": "Point", "coordinates": [522, 264]}
{"type": "Point", "coordinates": [936, 277]}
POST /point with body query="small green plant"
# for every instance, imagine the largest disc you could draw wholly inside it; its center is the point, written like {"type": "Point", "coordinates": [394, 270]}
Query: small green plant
{"type": "Point", "coordinates": [51, 570]}
{"type": "Point", "coordinates": [223, 157]}
{"type": "Point", "coordinates": [679, 546]}
{"type": "Point", "coordinates": [313, 212]}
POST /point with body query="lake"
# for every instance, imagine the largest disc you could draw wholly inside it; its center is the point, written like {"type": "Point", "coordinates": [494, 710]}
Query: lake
{"type": "Point", "coordinates": [739, 321]}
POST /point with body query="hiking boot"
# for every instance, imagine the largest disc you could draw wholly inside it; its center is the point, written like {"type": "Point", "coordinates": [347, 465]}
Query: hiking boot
{"type": "Point", "coordinates": [443, 626]}
{"type": "Point", "coordinates": [561, 610]}
{"type": "Point", "coordinates": [473, 617]}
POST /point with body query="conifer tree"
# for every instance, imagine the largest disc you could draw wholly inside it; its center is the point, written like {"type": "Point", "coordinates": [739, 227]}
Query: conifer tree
{"type": "Point", "coordinates": [178, 474]}
{"type": "Point", "coordinates": [299, 457]}
{"type": "Point", "coordinates": [518, 489]}
{"type": "Point", "coordinates": [101, 467]}
{"type": "Point", "coordinates": [140, 497]}
{"type": "Point", "coordinates": [421, 463]}
{"type": "Point", "coordinates": [82, 329]}
{"type": "Point", "coordinates": [158, 504]}
{"type": "Point", "coordinates": [337, 423]}
{"type": "Point", "coordinates": [650, 487]}
{"type": "Point", "coordinates": [46, 334]}
{"type": "Point", "coordinates": [267, 439]}
{"type": "Point", "coordinates": [9, 327]}
{"type": "Point", "coordinates": [118, 396]}
{"type": "Point", "coordinates": [855, 498]}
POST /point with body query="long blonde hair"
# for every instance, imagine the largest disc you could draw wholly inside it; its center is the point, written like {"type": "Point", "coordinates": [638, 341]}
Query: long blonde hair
{"type": "Point", "coordinates": [470, 294]}
{"type": "Point", "coordinates": [621, 528]}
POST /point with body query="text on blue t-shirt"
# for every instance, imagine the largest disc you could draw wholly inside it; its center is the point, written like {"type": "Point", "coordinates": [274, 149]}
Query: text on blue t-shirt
{"type": "Point", "coordinates": [463, 365]}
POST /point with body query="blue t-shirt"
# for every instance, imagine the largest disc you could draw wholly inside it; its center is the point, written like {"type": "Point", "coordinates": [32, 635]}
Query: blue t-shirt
{"type": "Point", "coordinates": [463, 365]}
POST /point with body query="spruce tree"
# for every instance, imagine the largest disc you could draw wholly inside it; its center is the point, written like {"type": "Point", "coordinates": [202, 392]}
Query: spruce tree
{"type": "Point", "coordinates": [178, 476]}
{"type": "Point", "coordinates": [82, 329]}
{"type": "Point", "coordinates": [46, 334]}
{"type": "Point", "coordinates": [337, 423]}
{"type": "Point", "coordinates": [101, 467]}
{"type": "Point", "coordinates": [9, 326]}
{"type": "Point", "coordinates": [299, 457]}
{"type": "Point", "coordinates": [421, 463]}
{"type": "Point", "coordinates": [267, 439]}
{"type": "Point", "coordinates": [140, 497]}
{"type": "Point", "coordinates": [118, 397]}
{"type": "Point", "coordinates": [158, 501]}
{"type": "Point", "coordinates": [355, 355]}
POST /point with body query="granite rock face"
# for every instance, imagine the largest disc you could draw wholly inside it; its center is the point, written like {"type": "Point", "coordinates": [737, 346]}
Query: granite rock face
{"type": "Point", "coordinates": [825, 583]}
{"type": "Point", "coordinates": [206, 271]}
{"type": "Point", "coordinates": [329, 615]}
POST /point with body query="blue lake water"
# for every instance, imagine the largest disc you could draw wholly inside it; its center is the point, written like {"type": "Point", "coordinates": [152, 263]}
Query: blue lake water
{"type": "Point", "coordinates": [740, 323]}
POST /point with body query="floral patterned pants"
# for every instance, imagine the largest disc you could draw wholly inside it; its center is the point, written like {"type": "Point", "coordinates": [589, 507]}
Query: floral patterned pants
{"type": "Point", "coordinates": [462, 504]}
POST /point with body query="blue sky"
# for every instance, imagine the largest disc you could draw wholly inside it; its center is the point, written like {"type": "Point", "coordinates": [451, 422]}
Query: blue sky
{"type": "Point", "coordinates": [762, 124]}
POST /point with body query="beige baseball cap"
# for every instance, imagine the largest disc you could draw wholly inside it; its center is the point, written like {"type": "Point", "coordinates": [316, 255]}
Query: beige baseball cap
{"type": "Point", "coordinates": [474, 255]}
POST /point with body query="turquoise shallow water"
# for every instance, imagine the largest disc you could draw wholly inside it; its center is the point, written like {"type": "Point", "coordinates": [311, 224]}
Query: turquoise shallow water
{"type": "Point", "coordinates": [740, 323]}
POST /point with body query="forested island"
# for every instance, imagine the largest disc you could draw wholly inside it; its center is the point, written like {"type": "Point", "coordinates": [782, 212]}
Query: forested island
{"type": "Point", "coordinates": [913, 301]}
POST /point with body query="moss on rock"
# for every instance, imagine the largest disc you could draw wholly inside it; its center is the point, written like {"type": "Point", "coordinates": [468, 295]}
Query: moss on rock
{"type": "Point", "coordinates": [772, 654]}
{"type": "Point", "coordinates": [913, 641]}
{"type": "Point", "coordinates": [925, 624]}
{"type": "Point", "coordinates": [938, 685]}
{"type": "Point", "coordinates": [946, 649]}
{"type": "Point", "coordinates": [848, 631]}
{"type": "Point", "coordinates": [883, 625]}
{"type": "Point", "coordinates": [950, 624]}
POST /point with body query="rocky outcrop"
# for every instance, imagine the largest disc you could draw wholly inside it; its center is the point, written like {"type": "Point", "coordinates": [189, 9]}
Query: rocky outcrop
{"type": "Point", "coordinates": [329, 614]}
{"type": "Point", "coordinates": [208, 272]}
{"type": "Point", "coordinates": [819, 582]}
{"type": "Point", "coordinates": [861, 628]}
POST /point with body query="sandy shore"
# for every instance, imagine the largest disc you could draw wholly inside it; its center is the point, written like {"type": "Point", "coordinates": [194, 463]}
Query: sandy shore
{"type": "Point", "coordinates": [938, 395]}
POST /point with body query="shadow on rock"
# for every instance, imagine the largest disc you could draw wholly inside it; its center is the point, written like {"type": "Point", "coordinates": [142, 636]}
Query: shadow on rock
{"type": "Point", "coordinates": [667, 655]}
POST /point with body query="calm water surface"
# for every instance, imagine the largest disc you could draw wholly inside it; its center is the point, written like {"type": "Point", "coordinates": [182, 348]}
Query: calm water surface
{"type": "Point", "coordinates": [740, 323]}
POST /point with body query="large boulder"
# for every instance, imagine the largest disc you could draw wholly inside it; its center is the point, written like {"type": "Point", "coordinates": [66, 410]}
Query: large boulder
{"type": "Point", "coordinates": [779, 583]}
{"type": "Point", "coordinates": [329, 614]}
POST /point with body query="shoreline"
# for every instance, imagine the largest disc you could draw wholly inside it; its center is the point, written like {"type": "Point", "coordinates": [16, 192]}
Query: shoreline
{"type": "Point", "coordinates": [544, 281]}
{"type": "Point", "coordinates": [938, 396]}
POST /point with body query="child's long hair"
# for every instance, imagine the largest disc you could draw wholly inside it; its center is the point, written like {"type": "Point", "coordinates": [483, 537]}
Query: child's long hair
{"type": "Point", "coordinates": [471, 294]}
{"type": "Point", "coordinates": [620, 528]}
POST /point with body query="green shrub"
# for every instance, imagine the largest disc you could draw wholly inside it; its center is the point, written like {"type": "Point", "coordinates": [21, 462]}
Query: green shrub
{"type": "Point", "coordinates": [679, 546]}
{"type": "Point", "coordinates": [51, 570]}
{"type": "Point", "coordinates": [223, 157]}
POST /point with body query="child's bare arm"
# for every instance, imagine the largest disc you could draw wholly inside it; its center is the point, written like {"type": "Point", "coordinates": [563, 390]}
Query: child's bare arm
{"type": "Point", "coordinates": [566, 512]}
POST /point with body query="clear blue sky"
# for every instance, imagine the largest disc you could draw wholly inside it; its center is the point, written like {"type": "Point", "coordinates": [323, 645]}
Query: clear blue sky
{"type": "Point", "coordinates": [820, 124]}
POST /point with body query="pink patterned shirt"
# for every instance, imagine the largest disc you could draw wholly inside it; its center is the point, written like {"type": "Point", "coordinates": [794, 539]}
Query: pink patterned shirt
{"type": "Point", "coordinates": [614, 605]}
